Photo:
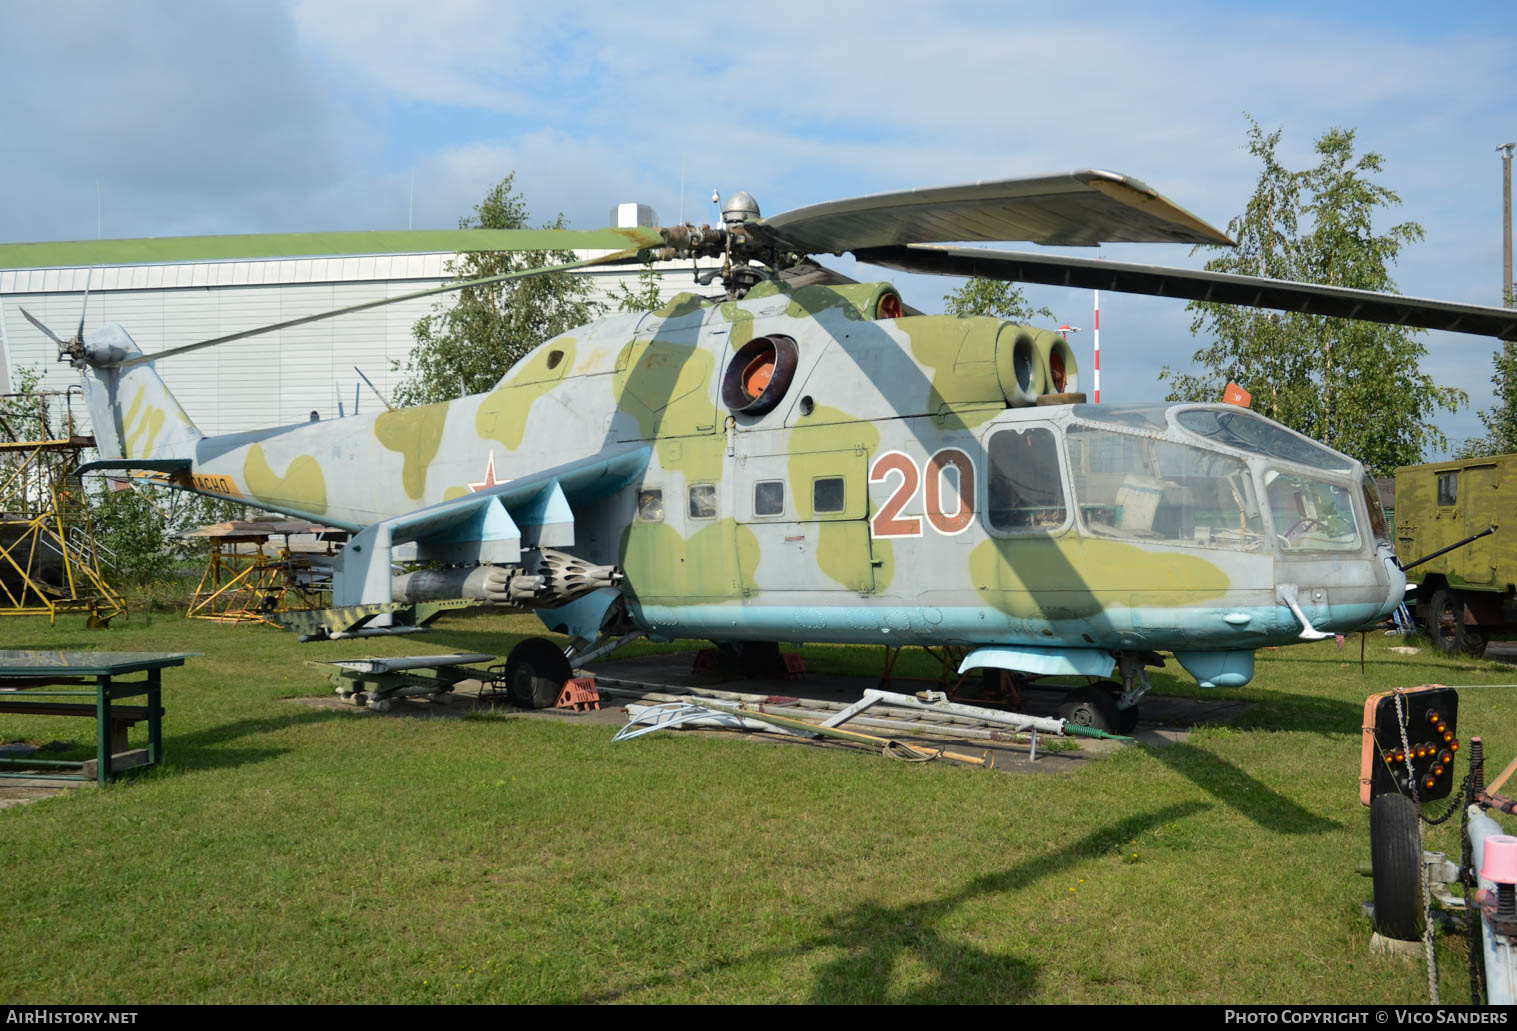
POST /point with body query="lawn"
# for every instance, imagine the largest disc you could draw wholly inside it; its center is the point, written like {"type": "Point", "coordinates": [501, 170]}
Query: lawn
{"type": "Point", "coordinates": [291, 853]}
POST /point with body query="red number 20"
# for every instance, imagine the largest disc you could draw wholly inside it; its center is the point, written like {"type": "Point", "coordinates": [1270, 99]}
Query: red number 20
{"type": "Point", "coordinates": [888, 522]}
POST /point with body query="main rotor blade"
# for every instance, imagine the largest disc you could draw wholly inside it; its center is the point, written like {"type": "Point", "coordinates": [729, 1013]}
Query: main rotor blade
{"type": "Point", "coordinates": [165, 249]}
{"type": "Point", "coordinates": [614, 257]}
{"type": "Point", "coordinates": [46, 332]}
{"type": "Point", "coordinates": [1082, 208]}
{"type": "Point", "coordinates": [84, 307]}
{"type": "Point", "coordinates": [1195, 285]}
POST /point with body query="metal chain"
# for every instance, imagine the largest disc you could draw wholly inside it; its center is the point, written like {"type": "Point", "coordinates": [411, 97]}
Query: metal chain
{"type": "Point", "coordinates": [1427, 891]}
{"type": "Point", "coordinates": [1456, 805]}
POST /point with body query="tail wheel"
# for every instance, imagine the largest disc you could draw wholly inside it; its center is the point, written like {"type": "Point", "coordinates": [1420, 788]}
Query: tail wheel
{"type": "Point", "coordinates": [1396, 864]}
{"type": "Point", "coordinates": [535, 673]}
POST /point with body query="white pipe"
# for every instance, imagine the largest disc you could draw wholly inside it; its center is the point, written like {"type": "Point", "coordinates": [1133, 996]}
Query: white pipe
{"type": "Point", "coordinates": [1008, 719]}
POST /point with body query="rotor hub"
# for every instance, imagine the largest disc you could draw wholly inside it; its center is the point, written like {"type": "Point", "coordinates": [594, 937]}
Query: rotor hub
{"type": "Point", "coordinates": [739, 208]}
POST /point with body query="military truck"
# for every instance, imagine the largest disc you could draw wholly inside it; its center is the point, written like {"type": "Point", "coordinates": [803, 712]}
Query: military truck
{"type": "Point", "coordinates": [1449, 540]}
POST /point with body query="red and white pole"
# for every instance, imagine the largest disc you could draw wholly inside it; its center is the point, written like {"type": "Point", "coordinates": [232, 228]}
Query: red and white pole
{"type": "Point", "coordinates": [1096, 294]}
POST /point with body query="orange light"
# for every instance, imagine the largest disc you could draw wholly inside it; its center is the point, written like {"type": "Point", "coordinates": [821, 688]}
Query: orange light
{"type": "Point", "coordinates": [1400, 756]}
{"type": "Point", "coordinates": [1442, 727]}
{"type": "Point", "coordinates": [1446, 757]}
{"type": "Point", "coordinates": [1448, 737]}
{"type": "Point", "coordinates": [1432, 716]}
{"type": "Point", "coordinates": [1454, 746]}
{"type": "Point", "coordinates": [1437, 771]}
{"type": "Point", "coordinates": [1429, 783]}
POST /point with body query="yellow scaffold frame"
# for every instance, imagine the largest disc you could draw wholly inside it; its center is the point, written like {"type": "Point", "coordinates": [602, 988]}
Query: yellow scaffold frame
{"type": "Point", "coordinates": [42, 511]}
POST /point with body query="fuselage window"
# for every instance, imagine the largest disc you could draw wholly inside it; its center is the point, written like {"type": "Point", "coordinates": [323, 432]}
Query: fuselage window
{"type": "Point", "coordinates": [769, 498]}
{"type": "Point", "coordinates": [1448, 488]}
{"type": "Point", "coordinates": [703, 501]}
{"type": "Point", "coordinates": [1026, 491]}
{"type": "Point", "coordinates": [827, 494]}
{"type": "Point", "coordinates": [650, 505]}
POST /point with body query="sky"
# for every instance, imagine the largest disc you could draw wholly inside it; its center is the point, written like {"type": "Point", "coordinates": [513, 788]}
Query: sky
{"type": "Point", "coordinates": [160, 118]}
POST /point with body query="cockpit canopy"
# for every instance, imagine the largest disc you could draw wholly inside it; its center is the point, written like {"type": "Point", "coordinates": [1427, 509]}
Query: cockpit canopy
{"type": "Point", "coordinates": [1193, 475]}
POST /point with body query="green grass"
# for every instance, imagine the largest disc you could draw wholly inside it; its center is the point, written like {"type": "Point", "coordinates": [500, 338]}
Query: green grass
{"type": "Point", "coordinates": [289, 853]}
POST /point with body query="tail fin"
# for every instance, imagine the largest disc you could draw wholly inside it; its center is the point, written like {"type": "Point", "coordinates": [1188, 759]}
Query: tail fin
{"type": "Point", "coordinates": [134, 414]}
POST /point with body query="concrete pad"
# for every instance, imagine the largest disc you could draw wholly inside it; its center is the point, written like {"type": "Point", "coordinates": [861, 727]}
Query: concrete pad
{"type": "Point", "coordinates": [623, 680]}
{"type": "Point", "coordinates": [20, 791]}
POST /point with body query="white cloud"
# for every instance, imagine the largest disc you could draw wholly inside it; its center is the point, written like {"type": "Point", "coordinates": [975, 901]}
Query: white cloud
{"type": "Point", "coordinates": [314, 114]}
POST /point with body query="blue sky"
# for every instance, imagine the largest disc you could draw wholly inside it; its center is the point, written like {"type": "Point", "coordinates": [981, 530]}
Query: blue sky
{"type": "Point", "coordinates": [316, 114]}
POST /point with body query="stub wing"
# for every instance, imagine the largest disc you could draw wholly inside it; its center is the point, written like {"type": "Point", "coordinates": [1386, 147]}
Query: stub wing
{"type": "Point", "coordinates": [534, 514]}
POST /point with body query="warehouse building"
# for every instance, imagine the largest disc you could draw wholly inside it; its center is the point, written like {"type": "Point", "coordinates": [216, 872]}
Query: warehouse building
{"type": "Point", "coordinates": [267, 380]}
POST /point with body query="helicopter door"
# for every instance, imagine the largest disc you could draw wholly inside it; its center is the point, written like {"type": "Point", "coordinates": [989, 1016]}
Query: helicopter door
{"type": "Point", "coordinates": [810, 516]}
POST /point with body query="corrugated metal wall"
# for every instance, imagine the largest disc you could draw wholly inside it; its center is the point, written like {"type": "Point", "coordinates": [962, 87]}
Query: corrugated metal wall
{"type": "Point", "coordinates": [264, 381]}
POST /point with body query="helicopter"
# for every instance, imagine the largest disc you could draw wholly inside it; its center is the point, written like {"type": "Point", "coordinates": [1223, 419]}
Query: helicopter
{"type": "Point", "coordinates": [803, 457]}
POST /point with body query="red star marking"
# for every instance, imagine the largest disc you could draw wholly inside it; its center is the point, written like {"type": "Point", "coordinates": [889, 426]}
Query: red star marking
{"type": "Point", "coordinates": [489, 480]}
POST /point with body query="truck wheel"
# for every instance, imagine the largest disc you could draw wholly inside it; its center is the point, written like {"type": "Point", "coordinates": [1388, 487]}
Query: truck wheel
{"type": "Point", "coordinates": [535, 673]}
{"type": "Point", "coordinates": [1446, 627]}
{"type": "Point", "coordinates": [1396, 862]}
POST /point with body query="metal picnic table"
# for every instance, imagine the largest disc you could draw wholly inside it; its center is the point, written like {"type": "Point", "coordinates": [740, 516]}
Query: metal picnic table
{"type": "Point", "coordinates": [92, 675]}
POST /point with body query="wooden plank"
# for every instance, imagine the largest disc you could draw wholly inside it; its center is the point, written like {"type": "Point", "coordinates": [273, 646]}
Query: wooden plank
{"type": "Point", "coordinates": [120, 762]}
{"type": "Point", "coordinates": [119, 713]}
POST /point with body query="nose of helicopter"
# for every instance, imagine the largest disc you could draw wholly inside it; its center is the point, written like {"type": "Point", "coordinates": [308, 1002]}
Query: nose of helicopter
{"type": "Point", "coordinates": [1337, 595]}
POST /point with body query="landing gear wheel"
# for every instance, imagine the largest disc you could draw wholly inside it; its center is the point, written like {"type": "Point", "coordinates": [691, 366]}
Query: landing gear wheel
{"type": "Point", "coordinates": [1127, 720]}
{"type": "Point", "coordinates": [1446, 627]}
{"type": "Point", "coordinates": [758, 659]}
{"type": "Point", "coordinates": [1396, 862]}
{"type": "Point", "coordinates": [535, 673]}
{"type": "Point", "coordinates": [1091, 707]}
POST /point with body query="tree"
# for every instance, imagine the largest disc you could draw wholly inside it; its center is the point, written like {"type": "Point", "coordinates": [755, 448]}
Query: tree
{"type": "Point", "coordinates": [1353, 385]}
{"type": "Point", "coordinates": [1500, 421]}
{"type": "Point", "coordinates": [646, 297]}
{"type": "Point", "coordinates": [464, 346]}
{"type": "Point", "coordinates": [993, 297]}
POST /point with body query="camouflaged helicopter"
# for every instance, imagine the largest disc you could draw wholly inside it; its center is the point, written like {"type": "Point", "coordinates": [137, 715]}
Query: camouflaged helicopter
{"type": "Point", "coordinates": [804, 458]}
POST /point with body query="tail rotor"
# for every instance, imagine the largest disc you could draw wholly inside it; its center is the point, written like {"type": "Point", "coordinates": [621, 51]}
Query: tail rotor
{"type": "Point", "coordinates": [68, 350]}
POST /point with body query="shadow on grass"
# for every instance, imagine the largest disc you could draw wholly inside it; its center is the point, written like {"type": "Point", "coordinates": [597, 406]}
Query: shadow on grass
{"type": "Point", "coordinates": [488, 642]}
{"type": "Point", "coordinates": [1289, 710]}
{"type": "Point", "coordinates": [875, 938]}
{"type": "Point", "coordinates": [201, 749]}
{"type": "Point", "coordinates": [1240, 791]}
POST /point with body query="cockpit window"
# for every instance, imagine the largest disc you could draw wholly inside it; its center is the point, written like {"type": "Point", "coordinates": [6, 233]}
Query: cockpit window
{"type": "Point", "coordinates": [1026, 494]}
{"type": "Point", "coordinates": [1378, 524]}
{"type": "Point", "coordinates": [1248, 432]}
{"type": "Point", "coordinates": [1310, 515]}
{"type": "Point", "coordinates": [1145, 489]}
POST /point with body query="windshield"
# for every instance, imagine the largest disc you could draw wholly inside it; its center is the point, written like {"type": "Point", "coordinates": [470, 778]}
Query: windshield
{"type": "Point", "coordinates": [1142, 488]}
{"type": "Point", "coordinates": [1378, 525]}
{"type": "Point", "coordinates": [1310, 515]}
{"type": "Point", "coordinates": [1249, 432]}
